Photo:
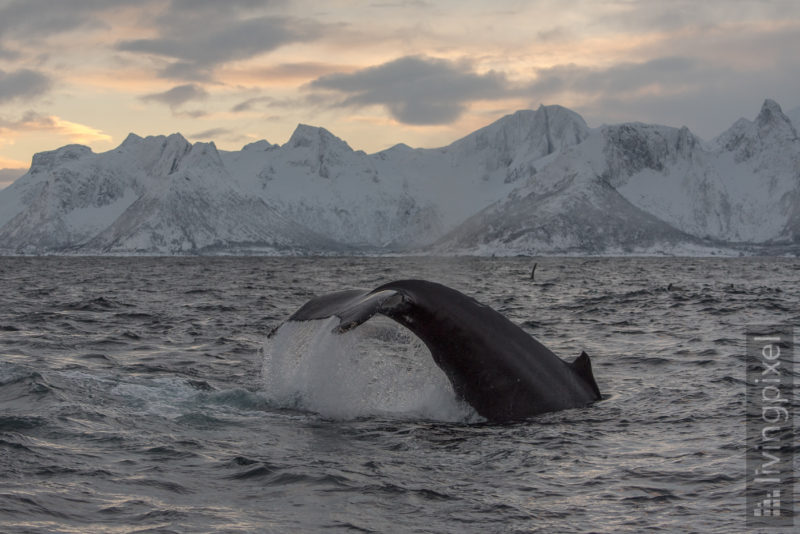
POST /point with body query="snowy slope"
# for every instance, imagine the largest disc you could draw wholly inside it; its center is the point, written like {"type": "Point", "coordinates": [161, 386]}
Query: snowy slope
{"type": "Point", "coordinates": [154, 195]}
{"type": "Point", "coordinates": [195, 208]}
{"type": "Point", "coordinates": [319, 182]}
{"type": "Point", "coordinates": [486, 165]}
{"type": "Point", "coordinates": [531, 182]}
{"type": "Point", "coordinates": [645, 187]}
{"type": "Point", "coordinates": [157, 195]}
{"type": "Point", "coordinates": [400, 197]}
{"type": "Point", "coordinates": [67, 196]}
{"type": "Point", "coordinates": [738, 188]}
{"type": "Point", "coordinates": [567, 208]}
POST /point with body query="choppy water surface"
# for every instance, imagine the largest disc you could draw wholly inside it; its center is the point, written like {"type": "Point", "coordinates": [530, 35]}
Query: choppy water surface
{"type": "Point", "coordinates": [139, 395]}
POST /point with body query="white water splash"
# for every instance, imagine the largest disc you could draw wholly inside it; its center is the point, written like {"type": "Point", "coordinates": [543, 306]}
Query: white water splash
{"type": "Point", "coordinates": [378, 368]}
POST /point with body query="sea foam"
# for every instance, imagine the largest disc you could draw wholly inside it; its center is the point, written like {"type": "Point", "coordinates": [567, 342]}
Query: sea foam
{"type": "Point", "coordinates": [377, 369]}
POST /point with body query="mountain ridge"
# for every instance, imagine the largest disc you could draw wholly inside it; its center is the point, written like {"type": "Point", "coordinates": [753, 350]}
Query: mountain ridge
{"type": "Point", "coordinates": [533, 182]}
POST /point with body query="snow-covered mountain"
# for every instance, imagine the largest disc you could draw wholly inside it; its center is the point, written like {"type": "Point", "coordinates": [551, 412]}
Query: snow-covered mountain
{"type": "Point", "coordinates": [737, 188]}
{"type": "Point", "coordinates": [400, 197]}
{"type": "Point", "coordinates": [564, 211]}
{"type": "Point", "coordinates": [194, 207]}
{"type": "Point", "coordinates": [154, 195]}
{"type": "Point", "coordinates": [532, 182]}
{"type": "Point", "coordinates": [320, 183]}
{"type": "Point", "coordinates": [642, 188]}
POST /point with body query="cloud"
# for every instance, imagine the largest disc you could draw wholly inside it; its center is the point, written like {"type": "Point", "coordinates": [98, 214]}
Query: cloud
{"type": "Point", "coordinates": [30, 20]}
{"type": "Point", "coordinates": [402, 4]}
{"type": "Point", "coordinates": [33, 122]}
{"type": "Point", "coordinates": [216, 135]}
{"type": "Point", "coordinates": [8, 54]}
{"type": "Point", "coordinates": [180, 6]}
{"type": "Point", "coordinates": [416, 89]}
{"type": "Point", "coordinates": [620, 78]}
{"type": "Point", "coordinates": [638, 16]}
{"type": "Point", "coordinates": [212, 133]}
{"type": "Point", "coordinates": [179, 95]}
{"type": "Point", "coordinates": [292, 72]}
{"type": "Point", "coordinates": [198, 40]}
{"type": "Point", "coordinates": [194, 36]}
{"type": "Point", "coordinates": [22, 84]}
{"type": "Point", "coordinates": [704, 94]}
{"type": "Point", "coordinates": [251, 103]}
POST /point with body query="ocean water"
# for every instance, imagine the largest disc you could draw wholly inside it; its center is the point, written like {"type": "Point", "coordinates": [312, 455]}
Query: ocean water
{"type": "Point", "coordinates": [142, 395]}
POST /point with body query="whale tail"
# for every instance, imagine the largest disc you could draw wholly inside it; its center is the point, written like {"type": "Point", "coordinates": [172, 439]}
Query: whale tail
{"type": "Point", "coordinates": [583, 368]}
{"type": "Point", "coordinates": [492, 364]}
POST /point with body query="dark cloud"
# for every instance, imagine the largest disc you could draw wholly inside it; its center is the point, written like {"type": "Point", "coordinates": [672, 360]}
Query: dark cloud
{"type": "Point", "coordinates": [236, 40]}
{"type": "Point", "coordinates": [194, 35]}
{"type": "Point", "coordinates": [623, 77]}
{"type": "Point", "coordinates": [707, 108]}
{"type": "Point", "coordinates": [178, 95]}
{"type": "Point", "coordinates": [211, 134]}
{"type": "Point", "coordinates": [416, 90]}
{"type": "Point", "coordinates": [553, 35]}
{"type": "Point", "coordinates": [22, 84]}
{"type": "Point", "coordinates": [647, 91]}
{"type": "Point", "coordinates": [28, 119]}
{"type": "Point", "coordinates": [300, 71]}
{"type": "Point", "coordinates": [251, 103]}
{"type": "Point", "coordinates": [197, 37]}
{"type": "Point", "coordinates": [33, 121]}
{"type": "Point", "coordinates": [29, 20]}
{"type": "Point", "coordinates": [706, 96]}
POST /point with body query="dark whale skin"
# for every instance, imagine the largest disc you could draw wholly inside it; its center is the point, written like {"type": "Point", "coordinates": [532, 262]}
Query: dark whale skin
{"type": "Point", "coordinates": [495, 366]}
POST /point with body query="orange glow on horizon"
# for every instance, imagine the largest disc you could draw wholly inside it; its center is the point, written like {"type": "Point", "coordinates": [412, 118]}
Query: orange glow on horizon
{"type": "Point", "coordinates": [12, 164]}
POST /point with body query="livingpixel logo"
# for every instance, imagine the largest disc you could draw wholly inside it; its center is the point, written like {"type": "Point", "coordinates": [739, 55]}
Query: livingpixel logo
{"type": "Point", "coordinates": [769, 427]}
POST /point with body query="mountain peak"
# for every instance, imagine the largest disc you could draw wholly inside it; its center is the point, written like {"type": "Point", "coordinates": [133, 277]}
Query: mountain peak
{"type": "Point", "coordinates": [261, 145]}
{"type": "Point", "coordinates": [541, 132]}
{"type": "Point", "coordinates": [163, 142]}
{"type": "Point", "coordinates": [769, 109]}
{"type": "Point", "coordinates": [200, 156]}
{"type": "Point", "coordinates": [772, 117]}
{"type": "Point", "coordinates": [771, 128]}
{"type": "Point", "coordinates": [177, 139]}
{"type": "Point", "coordinates": [534, 181]}
{"type": "Point", "coordinates": [52, 158]}
{"type": "Point", "coordinates": [131, 139]}
{"type": "Point", "coordinates": [308, 136]}
{"type": "Point", "coordinates": [555, 110]}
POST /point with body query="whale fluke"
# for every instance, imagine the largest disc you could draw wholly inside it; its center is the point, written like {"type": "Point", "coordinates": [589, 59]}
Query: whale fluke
{"type": "Point", "coordinates": [501, 371]}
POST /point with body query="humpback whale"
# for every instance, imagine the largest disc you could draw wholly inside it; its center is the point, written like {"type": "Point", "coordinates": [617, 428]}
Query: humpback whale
{"type": "Point", "coordinates": [492, 364]}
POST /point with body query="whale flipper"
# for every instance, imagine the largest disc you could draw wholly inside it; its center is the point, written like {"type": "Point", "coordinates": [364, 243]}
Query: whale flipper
{"type": "Point", "coordinates": [495, 366]}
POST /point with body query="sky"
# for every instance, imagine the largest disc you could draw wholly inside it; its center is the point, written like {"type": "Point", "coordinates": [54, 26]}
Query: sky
{"type": "Point", "coordinates": [377, 73]}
